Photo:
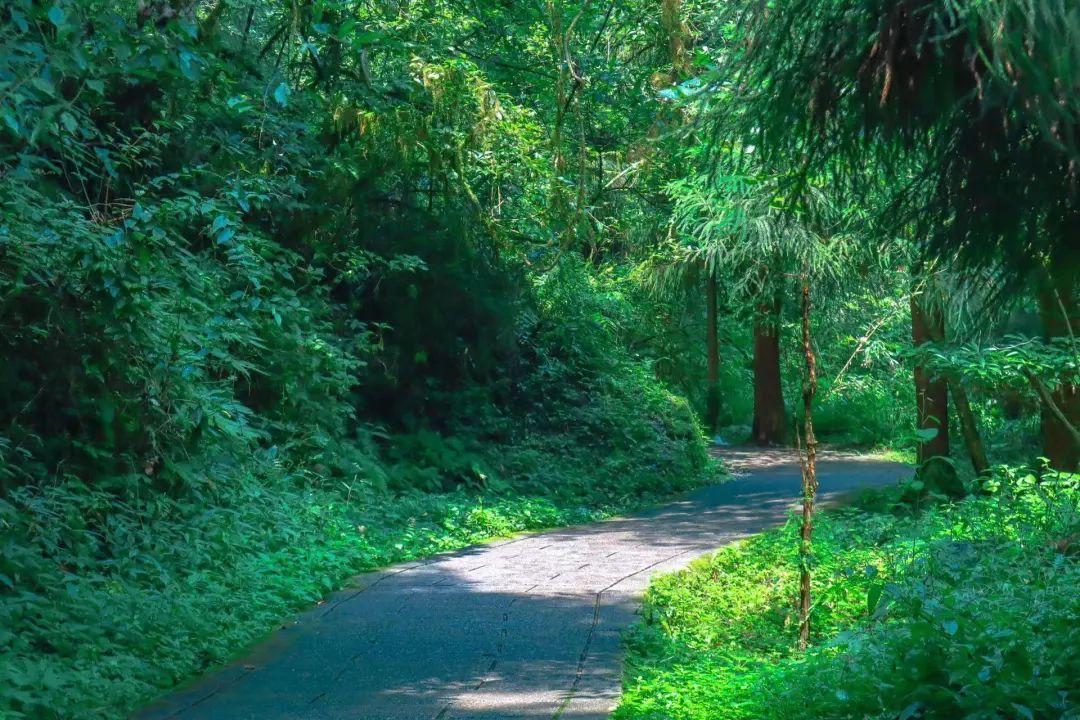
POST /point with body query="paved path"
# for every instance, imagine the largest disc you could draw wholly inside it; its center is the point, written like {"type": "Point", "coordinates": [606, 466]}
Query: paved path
{"type": "Point", "coordinates": [523, 628]}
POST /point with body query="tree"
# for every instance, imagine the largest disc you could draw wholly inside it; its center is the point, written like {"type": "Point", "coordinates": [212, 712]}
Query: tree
{"type": "Point", "coordinates": [770, 417]}
{"type": "Point", "coordinates": [809, 466]}
{"type": "Point", "coordinates": [712, 344]}
{"type": "Point", "coordinates": [1061, 320]}
{"type": "Point", "coordinates": [931, 392]}
{"type": "Point", "coordinates": [731, 226]}
{"type": "Point", "coordinates": [982, 94]}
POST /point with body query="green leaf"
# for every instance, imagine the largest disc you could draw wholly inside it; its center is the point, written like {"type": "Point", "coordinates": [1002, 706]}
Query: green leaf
{"type": "Point", "coordinates": [44, 85]}
{"type": "Point", "coordinates": [68, 121]}
{"type": "Point", "coordinates": [10, 120]}
{"type": "Point", "coordinates": [56, 16]}
{"type": "Point", "coordinates": [20, 20]}
{"type": "Point", "coordinates": [281, 94]}
{"type": "Point", "coordinates": [873, 596]}
{"type": "Point", "coordinates": [1024, 711]}
{"type": "Point", "coordinates": [909, 711]}
{"type": "Point", "coordinates": [189, 64]}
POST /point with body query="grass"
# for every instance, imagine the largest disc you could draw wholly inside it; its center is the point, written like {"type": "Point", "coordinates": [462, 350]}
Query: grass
{"type": "Point", "coordinates": [967, 610]}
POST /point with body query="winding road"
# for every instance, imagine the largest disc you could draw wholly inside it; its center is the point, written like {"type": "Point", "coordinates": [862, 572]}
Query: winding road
{"type": "Point", "coordinates": [524, 628]}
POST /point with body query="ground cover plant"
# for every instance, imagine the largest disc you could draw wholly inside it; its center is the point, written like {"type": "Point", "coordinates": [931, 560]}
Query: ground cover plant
{"type": "Point", "coordinates": [955, 610]}
{"type": "Point", "coordinates": [105, 608]}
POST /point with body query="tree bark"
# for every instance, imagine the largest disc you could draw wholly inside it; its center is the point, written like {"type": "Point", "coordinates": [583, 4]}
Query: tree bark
{"type": "Point", "coordinates": [809, 471]}
{"type": "Point", "coordinates": [970, 430]}
{"type": "Point", "coordinates": [931, 394]}
{"type": "Point", "coordinates": [968, 427]}
{"type": "Point", "coordinates": [671, 19]}
{"type": "Point", "coordinates": [1050, 405]}
{"type": "Point", "coordinates": [1057, 306]}
{"type": "Point", "coordinates": [712, 398]}
{"type": "Point", "coordinates": [770, 424]}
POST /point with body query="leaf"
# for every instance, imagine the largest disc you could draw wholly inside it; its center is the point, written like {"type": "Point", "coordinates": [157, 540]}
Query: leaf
{"type": "Point", "coordinates": [19, 19]}
{"type": "Point", "coordinates": [44, 85]}
{"type": "Point", "coordinates": [281, 94]}
{"type": "Point", "coordinates": [106, 161]}
{"type": "Point", "coordinates": [873, 596]}
{"type": "Point", "coordinates": [68, 121]}
{"type": "Point", "coordinates": [189, 64]}
{"type": "Point", "coordinates": [950, 627]}
{"type": "Point", "coordinates": [909, 711]}
{"type": "Point", "coordinates": [1024, 711]}
{"type": "Point", "coordinates": [56, 16]}
{"type": "Point", "coordinates": [10, 120]}
{"type": "Point", "coordinates": [926, 434]}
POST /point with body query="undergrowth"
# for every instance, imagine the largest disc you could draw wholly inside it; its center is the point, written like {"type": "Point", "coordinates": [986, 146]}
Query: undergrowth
{"type": "Point", "coordinates": [960, 611]}
{"type": "Point", "coordinates": [102, 607]}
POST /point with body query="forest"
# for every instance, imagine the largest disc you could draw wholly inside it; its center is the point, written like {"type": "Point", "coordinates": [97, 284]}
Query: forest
{"type": "Point", "coordinates": [298, 289]}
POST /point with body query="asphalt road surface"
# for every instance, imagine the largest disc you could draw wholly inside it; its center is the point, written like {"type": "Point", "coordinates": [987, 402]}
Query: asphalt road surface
{"type": "Point", "coordinates": [524, 628]}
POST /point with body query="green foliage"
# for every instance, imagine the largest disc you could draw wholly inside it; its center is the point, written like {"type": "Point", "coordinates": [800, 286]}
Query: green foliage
{"type": "Point", "coordinates": [103, 605]}
{"type": "Point", "coordinates": [1004, 364]}
{"type": "Point", "coordinates": [284, 295]}
{"type": "Point", "coordinates": [915, 616]}
{"type": "Point", "coordinates": [968, 108]}
{"type": "Point", "coordinates": [293, 290]}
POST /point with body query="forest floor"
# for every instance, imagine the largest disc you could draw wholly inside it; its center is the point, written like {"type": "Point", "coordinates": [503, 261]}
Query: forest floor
{"type": "Point", "coordinates": [527, 627]}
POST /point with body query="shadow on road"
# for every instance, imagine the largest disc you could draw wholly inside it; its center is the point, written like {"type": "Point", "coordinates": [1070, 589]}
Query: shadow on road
{"type": "Point", "coordinates": [523, 628]}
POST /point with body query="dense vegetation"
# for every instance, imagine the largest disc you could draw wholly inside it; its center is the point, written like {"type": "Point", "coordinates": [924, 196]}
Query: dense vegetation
{"type": "Point", "coordinates": [945, 133]}
{"type": "Point", "coordinates": [966, 611]}
{"type": "Point", "coordinates": [289, 290]}
{"type": "Point", "coordinates": [282, 298]}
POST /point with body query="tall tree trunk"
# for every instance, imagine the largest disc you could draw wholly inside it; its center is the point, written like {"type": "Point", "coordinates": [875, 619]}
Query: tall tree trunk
{"type": "Point", "coordinates": [671, 19]}
{"type": "Point", "coordinates": [1058, 308]}
{"type": "Point", "coordinates": [968, 427]}
{"type": "Point", "coordinates": [1050, 405]}
{"type": "Point", "coordinates": [931, 394]}
{"type": "Point", "coordinates": [770, 424]}
{"type": "Point", "coordinates": [558, 203]}
{"type": "Point", "coordinates": [809, 471]}
{"type": "Point", "coordinates": [712, 398]}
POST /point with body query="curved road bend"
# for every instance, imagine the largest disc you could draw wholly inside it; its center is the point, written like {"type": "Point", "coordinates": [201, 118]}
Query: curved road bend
{"type": "Point", "coordinates": [525, 628]}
